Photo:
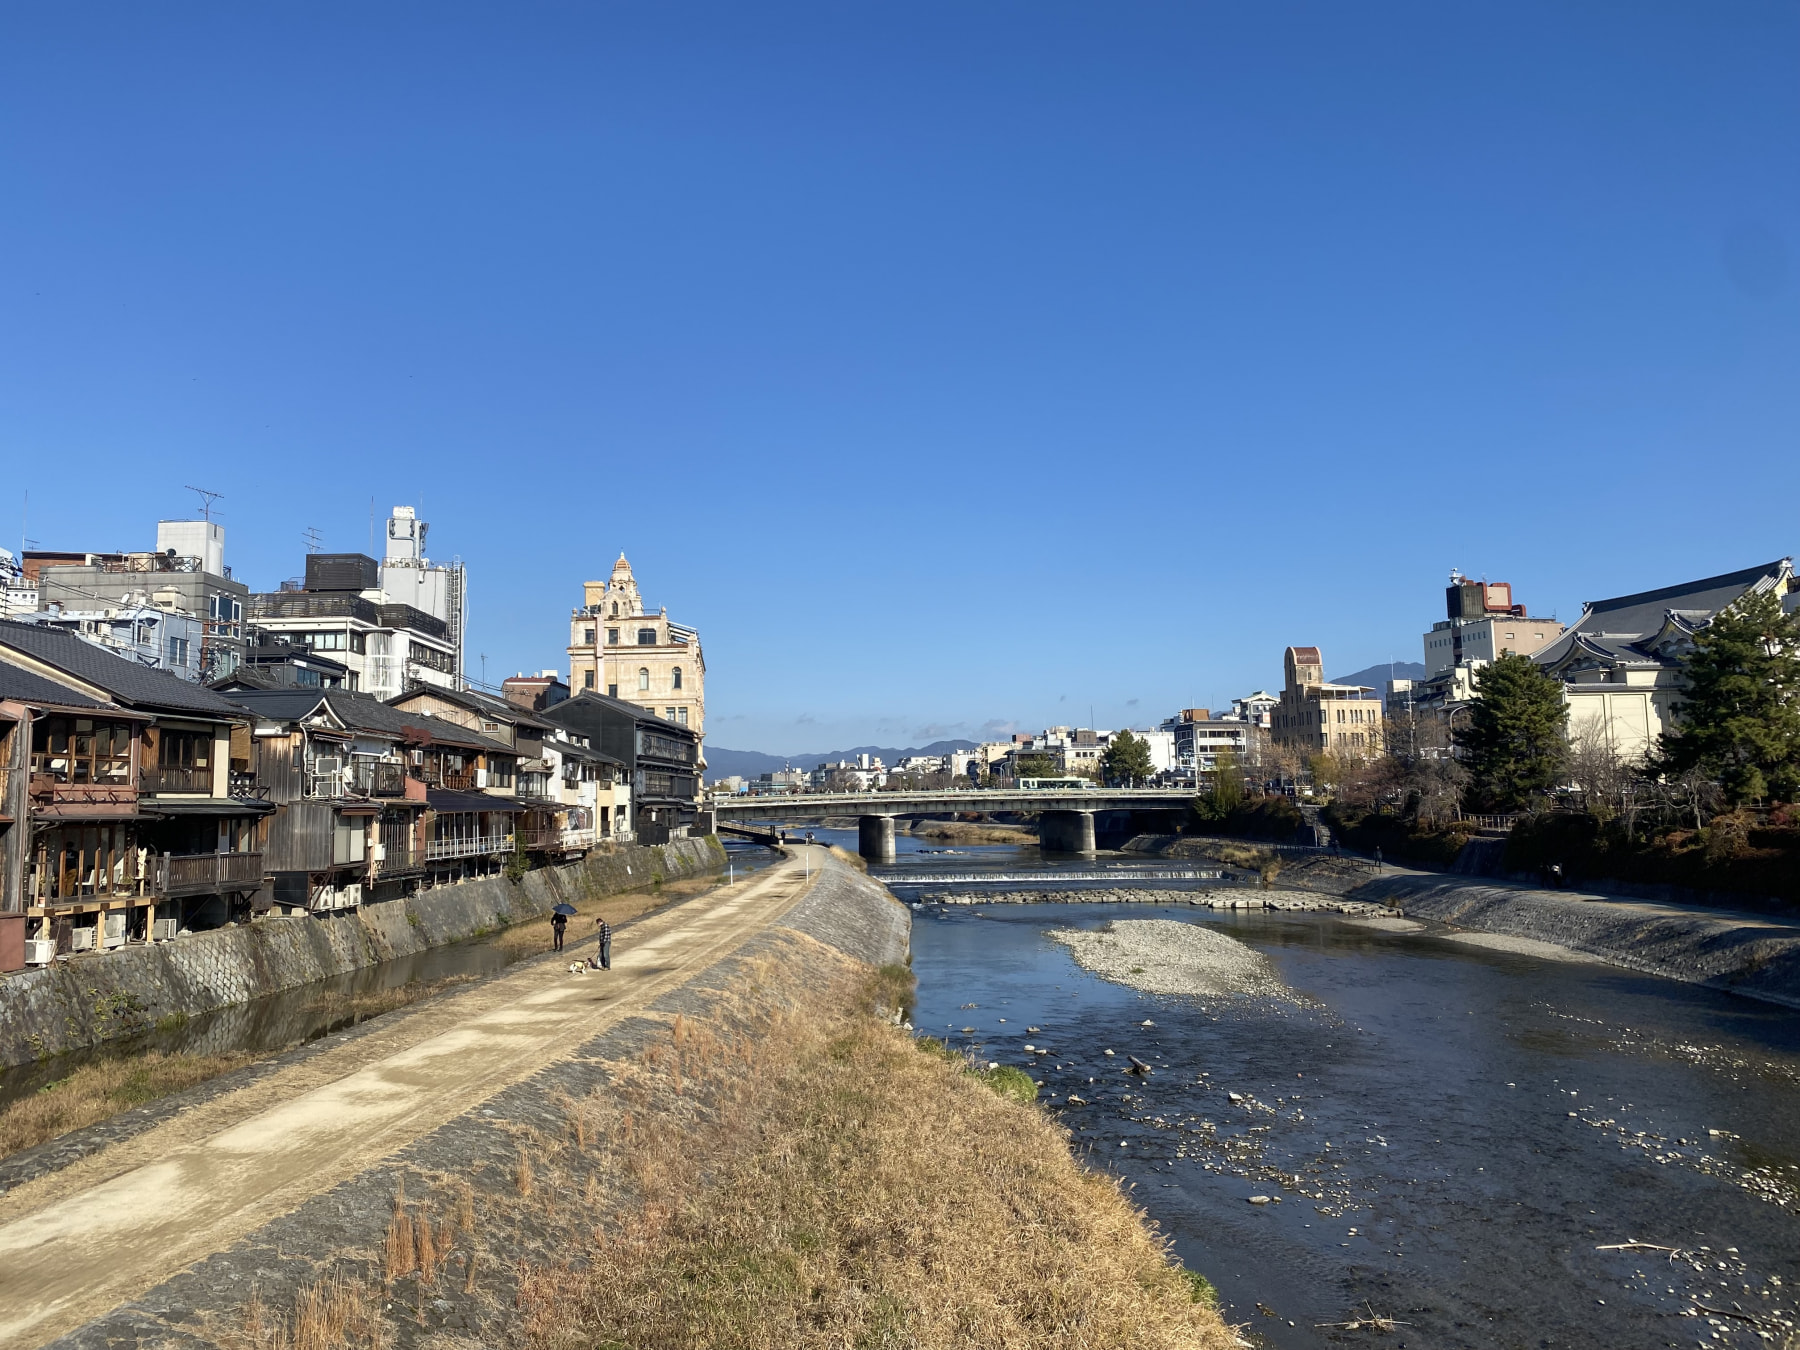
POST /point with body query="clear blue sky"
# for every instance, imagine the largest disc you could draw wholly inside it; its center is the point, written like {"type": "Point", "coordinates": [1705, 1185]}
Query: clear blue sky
{"type": "Point", "coordinates": [945, 364]}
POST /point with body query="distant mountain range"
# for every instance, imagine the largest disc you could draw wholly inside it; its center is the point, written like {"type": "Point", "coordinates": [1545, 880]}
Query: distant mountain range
{"type": "Point", "coordinates": [1378, 676]}
{"type": "Point", "coordinates": [723, 763]}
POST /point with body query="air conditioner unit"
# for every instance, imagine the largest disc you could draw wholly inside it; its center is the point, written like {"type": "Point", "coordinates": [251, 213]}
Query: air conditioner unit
{"type": "Point", "coordinates": [82, 939]}
{"type": "Point", "coordinates": [39, 951]}
{"type": "Point", "coordinates": [481, 778]}
{"type": "Point", "coordinates": [164, 930]}
{"type": "Point", "coordinates": [113, 927]}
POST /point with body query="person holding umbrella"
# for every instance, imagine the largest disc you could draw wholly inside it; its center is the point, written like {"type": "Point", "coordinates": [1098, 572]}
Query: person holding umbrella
{"type": "Point", "coordinates": [559, 921]}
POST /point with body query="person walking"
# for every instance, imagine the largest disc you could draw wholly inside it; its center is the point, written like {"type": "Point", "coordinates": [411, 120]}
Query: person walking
{"type": "Point", "coordinates": [605, 943]}
{"type": "Point", "coordinates": [558, 923]}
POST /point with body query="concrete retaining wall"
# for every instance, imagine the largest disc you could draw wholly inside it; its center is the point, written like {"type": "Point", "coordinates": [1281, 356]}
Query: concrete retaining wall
{"type": "Point", "coordinates": [82, 1002]}
{"type": "Point", "coordinates": [1737, 952]}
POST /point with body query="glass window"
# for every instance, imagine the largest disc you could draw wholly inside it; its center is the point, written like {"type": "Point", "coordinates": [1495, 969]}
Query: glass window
{"type": "Point", "coordinates": [646, 637]}
{"type": "Point", "coordinates": [612, 691]}
{"type": "Point", "coordinates": [587, 679]}
{"type": "Point", "coordinates": [677, 683]}
{"type": "Point", "coordinates": [643, 677]}
{"type": "Point", "coordinates": [612, 637]}
{"type": "Point", "coordinates": [178, 651]}
{"type": "Point", "coordinates": [587, 636]}
{"type": "Point", "coordinates": [681, 716]}
{"type": "Point", "coordinates": [669, 714]}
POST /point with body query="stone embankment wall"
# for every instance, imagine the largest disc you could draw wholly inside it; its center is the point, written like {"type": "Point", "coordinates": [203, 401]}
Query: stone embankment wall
{"type": "Point", "coordinates": [83, 1002]}
{"type": "Point", "coordinates": [1742, 953]}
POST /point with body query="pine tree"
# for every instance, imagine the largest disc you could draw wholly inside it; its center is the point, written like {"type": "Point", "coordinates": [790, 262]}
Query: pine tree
{"type": "Point", "coordinates": [1739, 722]}
{"type": "Point", "coordinates": [1513, 741]}
{"type": "Point", "coordinates": [1127, 760]}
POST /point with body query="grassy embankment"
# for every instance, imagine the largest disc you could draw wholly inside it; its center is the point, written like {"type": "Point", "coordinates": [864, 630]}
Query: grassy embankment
{"type": "Point", "coordinates": [792, 1170]}
{"type": "Point", "coordinates": [107, 1087]}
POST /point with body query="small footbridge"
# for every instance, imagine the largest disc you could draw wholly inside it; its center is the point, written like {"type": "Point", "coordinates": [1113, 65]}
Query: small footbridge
{"type": "Point", "coordinates": [1065, 815]}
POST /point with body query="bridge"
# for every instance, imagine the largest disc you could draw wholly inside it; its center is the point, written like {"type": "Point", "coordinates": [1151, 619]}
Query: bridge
{"type": "Point", "coordinates": [1065, 816]}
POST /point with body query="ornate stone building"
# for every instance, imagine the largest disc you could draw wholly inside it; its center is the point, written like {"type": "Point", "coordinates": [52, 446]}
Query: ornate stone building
{"type": "Point", "coordinates": [1316, 716]}
{"type": "Point", "coordinates": [618, 648]}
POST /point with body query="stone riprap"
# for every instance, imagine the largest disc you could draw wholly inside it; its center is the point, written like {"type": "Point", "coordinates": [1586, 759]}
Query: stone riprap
{"type": "Point", "coordinates": [1166, 956]}
{"type": "Point", "coordinates": [1299, 902]}
{"type": "Point", "coordinates": [92, 999]}
{"type": "Point", "coordinates": [1744, 953]}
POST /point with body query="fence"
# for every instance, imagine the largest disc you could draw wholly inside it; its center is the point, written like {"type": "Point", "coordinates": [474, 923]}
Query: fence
{"type": "Point", "coordinates": [1503, 824]}
{"type": "Point", "coordinates": [206, 873]}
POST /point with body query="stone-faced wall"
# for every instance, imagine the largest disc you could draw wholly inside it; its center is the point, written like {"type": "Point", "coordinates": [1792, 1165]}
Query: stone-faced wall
{"type": "Point", "coordinates": [82, 1002]}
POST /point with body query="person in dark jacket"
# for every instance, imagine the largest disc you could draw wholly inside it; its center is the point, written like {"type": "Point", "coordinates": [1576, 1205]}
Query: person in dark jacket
{"type": "Point", "coordinates": [605, 944]}
{"type": "Point", "coordinates": [558, 922]}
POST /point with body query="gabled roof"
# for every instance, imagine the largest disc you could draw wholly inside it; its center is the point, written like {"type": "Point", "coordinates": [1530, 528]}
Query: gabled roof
{"type": "Point", "coordinates": [362, 712]}
{"type": "Point", "coordinates": [127, 682]}
{"type": "Point", "coordinates": [27, 687]}
{"type": "Point", "coordinates": [1618, 631]}
{"type": "Point", "coordinates": [568, 713]}
{"type": "Point", "coordinates": [495, 709]}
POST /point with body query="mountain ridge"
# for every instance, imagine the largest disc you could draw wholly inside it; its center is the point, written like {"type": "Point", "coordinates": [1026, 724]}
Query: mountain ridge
{"type": "Point", "coordinates": [724, 763]}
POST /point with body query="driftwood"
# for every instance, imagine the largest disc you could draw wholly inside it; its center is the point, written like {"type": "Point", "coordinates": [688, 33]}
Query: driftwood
{"type": "Point", "coordinates": [1373, 1322]}
{"type": "Point", "coordinates": [1141, 1069]}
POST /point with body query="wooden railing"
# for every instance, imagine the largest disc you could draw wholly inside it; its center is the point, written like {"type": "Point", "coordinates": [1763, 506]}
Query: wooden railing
{"type": "Point", "coordinates": [157, 778]}
{"type": "Point", "coordinates": [206, 873]}
{"type": "Point", "coordinates": [460, 780]}
{"type": "Point", "coordinates": [1503, 824]}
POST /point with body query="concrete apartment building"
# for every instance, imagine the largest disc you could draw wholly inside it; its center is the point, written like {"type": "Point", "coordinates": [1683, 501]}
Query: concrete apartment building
{"type": "Point", "coordinates": [177, 608]}
{"type": "Point", "coordinates": [618, 649]}
{"type": "Point", "coordinates": [1317, 716]}
{"type": "Point", "coordinates": [395, 625]}
{"type": "Point", "coordinates": [1483, 623]}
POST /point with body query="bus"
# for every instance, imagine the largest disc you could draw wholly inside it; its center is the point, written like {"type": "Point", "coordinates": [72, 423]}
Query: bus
{"type": "Point", "coordinates": [1054, 784]}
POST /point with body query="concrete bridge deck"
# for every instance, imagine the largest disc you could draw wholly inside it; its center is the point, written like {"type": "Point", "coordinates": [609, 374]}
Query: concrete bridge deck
{"type": "Point", "coordinates": [1066, 816]}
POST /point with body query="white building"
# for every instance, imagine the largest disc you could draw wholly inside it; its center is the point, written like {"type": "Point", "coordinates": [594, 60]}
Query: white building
{"type": "Point", "coordinates": [162, 639]}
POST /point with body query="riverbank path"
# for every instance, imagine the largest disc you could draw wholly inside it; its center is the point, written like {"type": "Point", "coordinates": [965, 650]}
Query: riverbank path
{"type": "Point", "coordinates": [79, 1242]}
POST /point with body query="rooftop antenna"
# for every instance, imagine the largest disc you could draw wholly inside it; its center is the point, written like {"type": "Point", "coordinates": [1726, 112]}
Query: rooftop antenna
{"type": "Point", "coordinates": [312, 539]}
{"type": "Point", "coordinates": [207, 498]}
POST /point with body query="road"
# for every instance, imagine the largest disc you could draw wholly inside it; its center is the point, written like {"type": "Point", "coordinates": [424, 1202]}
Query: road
{"type": "Point", "coordinates": [79, 1242]}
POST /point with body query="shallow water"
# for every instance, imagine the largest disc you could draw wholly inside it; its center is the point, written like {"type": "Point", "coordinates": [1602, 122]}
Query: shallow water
{"type": "Point", "coordinates": [1453, 1132]}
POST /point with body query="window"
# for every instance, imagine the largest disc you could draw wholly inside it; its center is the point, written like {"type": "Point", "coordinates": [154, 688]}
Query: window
{"type": "Point", "coordinates": [643, 677]}
{"type": "Point", "coordinates": [612, 637]}
{"type": "Point", "coordinates": [81, 750]}
{"type": "Point", "coordinates": [429, 656]}
{"type": "Point", "coordinates": [587, 679]}
{"type": "Point", "coordinates": [183, 762]}
{"type": "Point", "coordinates": [615, 609]}
{"type": "Point", "coordinates": [612, 691]}
{"type": "Point", "coordinates": [178, 651]}
{"type": "Point", "coordinates": [646, 637]}
{"type": "Point", "coordinates": [347, 840]}
{"type": "Point", "coordinates": [681, 716]}
{"type": "Point", "coordinates": [500, 771]}
{"type": "Point", "coordinates": [669, 714]}
{"type": "Point", "coordinates": [677, 683]}
{"type": "Point", "coordinates": [587, 637]}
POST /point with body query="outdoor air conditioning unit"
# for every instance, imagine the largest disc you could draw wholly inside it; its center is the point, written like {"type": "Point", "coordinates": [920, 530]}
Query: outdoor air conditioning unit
{"type": "Point", "coordinates": [39, 951]}
{"type": "Point", "coordinates": [164, 930]}
{"type": "Point", "coordinates": [113, 926]}
{"type": "Point", "coordinates": [82, 939]}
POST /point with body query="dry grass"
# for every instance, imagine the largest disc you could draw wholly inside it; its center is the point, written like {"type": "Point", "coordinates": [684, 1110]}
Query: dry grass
{"type": "Point", "coordinates": [755, 1179]}
{"type": "Point", "coordinates": [849, 859]}
{"type": "Point", "coordinates": [968, 832]}
{"type": "Point", "coordinates": [807, 1212]}
{"type": "Point", "coordinates": [533, 936]}
{"type": "Point", "coordinates": [102, 1089]}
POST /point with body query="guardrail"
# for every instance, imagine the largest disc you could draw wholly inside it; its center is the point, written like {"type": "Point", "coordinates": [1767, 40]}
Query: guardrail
{"type": "Point", "coordinates": [206, 873]}
{"type": "Point", "coordinates": [1501, 823]}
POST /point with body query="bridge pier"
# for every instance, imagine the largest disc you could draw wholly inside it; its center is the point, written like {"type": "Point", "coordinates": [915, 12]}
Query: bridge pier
{"type": "Point", "coordinates": [1066, 831]}
{"type": "Point", "coordinates": [875, 838]}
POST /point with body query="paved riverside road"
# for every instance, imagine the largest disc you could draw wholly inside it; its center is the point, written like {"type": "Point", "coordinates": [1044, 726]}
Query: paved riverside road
{"type": "Point", "coordinates": [79, 1242]}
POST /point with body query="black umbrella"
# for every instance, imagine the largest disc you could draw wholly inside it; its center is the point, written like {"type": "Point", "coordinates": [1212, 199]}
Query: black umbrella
{"type": "Point", "coordinates": [564, 909]}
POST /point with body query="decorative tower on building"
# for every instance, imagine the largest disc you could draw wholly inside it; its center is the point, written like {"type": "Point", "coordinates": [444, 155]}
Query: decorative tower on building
{"type": "Point", "coordinates": [618, 648]}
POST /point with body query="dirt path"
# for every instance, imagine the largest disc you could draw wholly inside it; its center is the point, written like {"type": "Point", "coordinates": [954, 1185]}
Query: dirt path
{"type": "Point", "coordinates": [79, 1242]}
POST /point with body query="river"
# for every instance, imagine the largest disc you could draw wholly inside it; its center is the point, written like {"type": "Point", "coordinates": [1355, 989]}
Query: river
{"type": "Point", "coordinates": [1454, 1137]}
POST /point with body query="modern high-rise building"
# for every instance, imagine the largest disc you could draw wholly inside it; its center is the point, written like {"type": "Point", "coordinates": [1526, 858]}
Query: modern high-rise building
{"type": "Point", "coordinates": [620, 649]}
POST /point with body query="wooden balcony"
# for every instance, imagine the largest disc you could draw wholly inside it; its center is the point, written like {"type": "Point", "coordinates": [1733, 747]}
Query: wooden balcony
{"type": "Point", "coordinates": [177, 874]}
{"type": "Point", "coordinates": [468, 846]}
{"type": "Point", "coordinates": [94, 801]}
{"type": "Point", "coordinates": [190, 780]}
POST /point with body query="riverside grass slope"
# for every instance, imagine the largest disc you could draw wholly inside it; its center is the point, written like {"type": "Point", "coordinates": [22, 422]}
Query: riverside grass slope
{"type": "Point", "coordinates": [750, 1177]}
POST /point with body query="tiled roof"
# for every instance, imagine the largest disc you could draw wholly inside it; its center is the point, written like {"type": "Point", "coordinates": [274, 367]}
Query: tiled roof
{"type": "Point", "coordinates": [363, 712]}
{"type": "Point", "coordinates": [129, 683]}
{"type": "Point", "coordinates": [21, 684]}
